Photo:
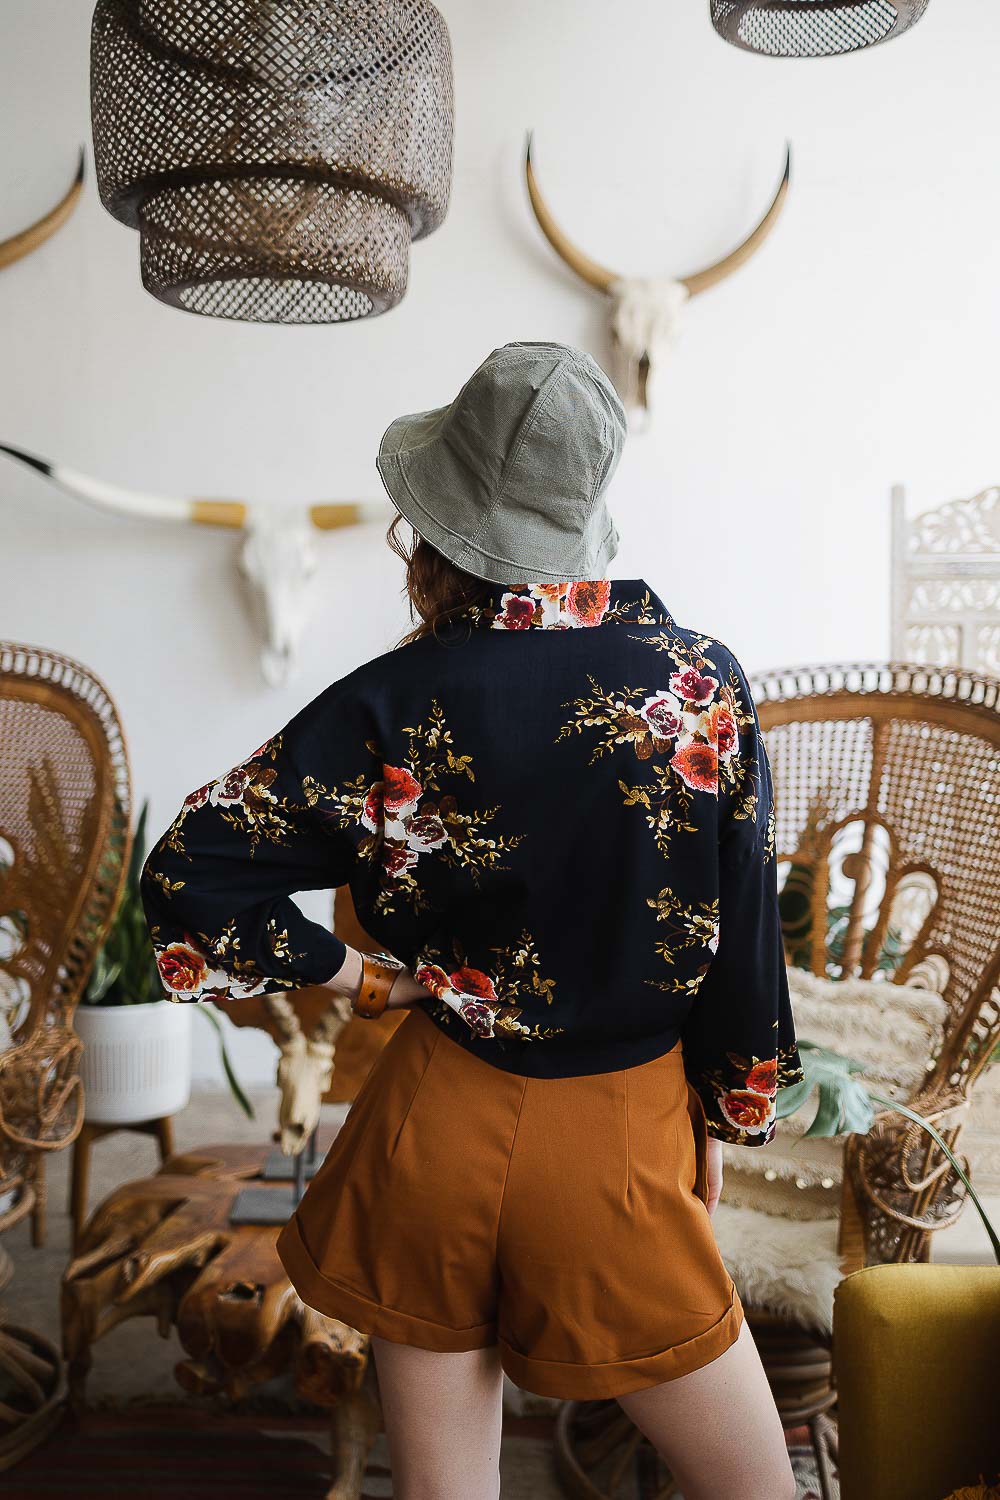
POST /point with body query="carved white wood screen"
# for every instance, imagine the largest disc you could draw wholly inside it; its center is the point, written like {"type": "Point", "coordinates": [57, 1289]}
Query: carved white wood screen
{"type": "Point", "coordinates": [946, 583]}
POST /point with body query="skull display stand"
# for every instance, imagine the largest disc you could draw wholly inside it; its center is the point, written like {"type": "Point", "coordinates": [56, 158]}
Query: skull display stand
{"type": "Point", "coordinates": [255, 1205]}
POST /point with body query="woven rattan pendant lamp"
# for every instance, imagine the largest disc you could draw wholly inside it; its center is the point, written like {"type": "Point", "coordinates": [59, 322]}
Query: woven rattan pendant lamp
{"type": "Point", "coordinates": [276, 156]}
{"type": "Point", "coordinates": [812, 28]}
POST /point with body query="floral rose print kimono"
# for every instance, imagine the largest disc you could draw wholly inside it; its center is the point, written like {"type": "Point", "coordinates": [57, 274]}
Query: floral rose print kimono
{"type": "Point", "coordinates": [557, 812]}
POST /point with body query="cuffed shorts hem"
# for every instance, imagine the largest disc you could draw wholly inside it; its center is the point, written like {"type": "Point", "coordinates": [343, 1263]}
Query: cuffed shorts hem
{"type": "Point", "coordinates": [568, 1382]}
{"type": "Point", "coordinates": [602, 1382]}
{"type": "Point", "coordinates": [334, 1300]}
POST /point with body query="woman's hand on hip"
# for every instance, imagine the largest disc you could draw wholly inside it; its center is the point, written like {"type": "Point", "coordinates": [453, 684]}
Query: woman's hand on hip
{"type": "Point", "coordinates": [405, 989]}
{"type": "Point", "coordinates": [713, 1161]}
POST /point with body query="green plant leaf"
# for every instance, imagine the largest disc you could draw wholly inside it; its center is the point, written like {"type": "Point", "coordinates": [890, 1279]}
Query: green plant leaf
{"type": "Point", "coordinates": [847, 1107]}
{"type": "Point", "coordinates": [792, 1098]}
{"type": "Point", "coordinates": [137, 858]}
{"type": "Point", "coordinates": [124, 971]}
{"type": "Point", "coordinates": [942, 1144]}
{"type": "Point", "coordinates": [843, 1106]}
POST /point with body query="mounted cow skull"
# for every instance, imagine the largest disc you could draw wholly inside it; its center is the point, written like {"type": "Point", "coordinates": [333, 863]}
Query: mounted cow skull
{"type": "Point", "coordinates": [277, 559]}
{"type": "Point", "coordinates": [646, 310]}
{"type": "Point", "coordinates": [21, 244]}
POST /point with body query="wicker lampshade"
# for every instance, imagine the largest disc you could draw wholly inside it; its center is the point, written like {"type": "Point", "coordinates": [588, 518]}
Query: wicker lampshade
{"type": "Point", "coordinates": [812, 28]}
{"type": "Point", "coordinates": [276, 156]}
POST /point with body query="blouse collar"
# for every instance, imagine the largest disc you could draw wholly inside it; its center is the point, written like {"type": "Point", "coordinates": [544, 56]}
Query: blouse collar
{"type": "Point", "coordinates": [568, 606]}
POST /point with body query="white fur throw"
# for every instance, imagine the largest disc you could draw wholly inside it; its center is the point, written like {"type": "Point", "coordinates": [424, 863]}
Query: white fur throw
{"type": "Point", "coordinates": [891, 1029]}
{"type": "Point", "coordinates": [778, 1225]}
{"type": "Point", "coordinates": [789, 1267]}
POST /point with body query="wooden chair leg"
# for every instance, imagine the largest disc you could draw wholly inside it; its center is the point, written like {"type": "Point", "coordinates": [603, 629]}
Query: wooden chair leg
{"type": "Point", "coordinates": [79, 1182]}
{"type": "Point", "coordinates": [165, 1137]}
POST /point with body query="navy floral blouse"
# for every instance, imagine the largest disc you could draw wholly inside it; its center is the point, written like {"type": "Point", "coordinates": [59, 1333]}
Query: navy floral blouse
{"type": "Point", "coordinates": [557, 813]}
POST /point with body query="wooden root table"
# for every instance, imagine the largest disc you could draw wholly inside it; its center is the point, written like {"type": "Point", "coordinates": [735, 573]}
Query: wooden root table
{"type": "Point", "coordinates": [163, 1247]}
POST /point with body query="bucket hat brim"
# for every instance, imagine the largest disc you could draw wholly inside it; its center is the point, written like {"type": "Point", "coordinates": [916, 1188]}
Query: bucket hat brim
{"type": "Point", "coordinates": [432, 477]}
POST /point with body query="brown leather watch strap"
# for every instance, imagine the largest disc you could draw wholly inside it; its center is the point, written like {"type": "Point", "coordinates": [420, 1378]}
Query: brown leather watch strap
{"type": "Point", "coordinates": [379, 972]}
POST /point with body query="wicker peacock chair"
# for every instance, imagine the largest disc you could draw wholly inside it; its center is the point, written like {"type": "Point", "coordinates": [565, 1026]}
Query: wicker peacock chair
{"type": "Point", "coordinates": [65, 805]}
{"type": "Point", "coordinates": [887, 783]}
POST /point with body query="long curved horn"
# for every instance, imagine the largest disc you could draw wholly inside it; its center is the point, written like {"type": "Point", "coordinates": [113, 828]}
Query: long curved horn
{"type": "Point", "coordinates": [36, 234]}
{"type": "Point", "coordinates": [346, 513]}
{"type": "Point", "coordinates": [132, 502]}
{"type": "Point", "coordinates": [591, 271]}
{"type": "Point", "coordinates": [702, 280]}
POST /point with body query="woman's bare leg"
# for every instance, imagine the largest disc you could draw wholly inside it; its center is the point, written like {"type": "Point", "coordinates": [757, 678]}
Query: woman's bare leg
{"type": "Point", "coordinates": [442, 1418]}
{"type": "Point", "coordinates": [718, 1428]}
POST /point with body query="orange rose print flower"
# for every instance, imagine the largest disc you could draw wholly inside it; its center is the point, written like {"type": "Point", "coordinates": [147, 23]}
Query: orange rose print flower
{"type": "Point", "coordinates": [182, 968]}
{"type": "Point", "coordinates": [698, 767]}
{"type": "Point", "coordinates": [373, 812]}
{"type": "Point", "coordinates": [587, 602]}
{"type": "Point", "coordinates": [400, 790]}
{"type": "Point", "coordinates": [763, 1077]}
{"type": "Point", "coordinates": [746, 1110]}
{"type": "Point", "coordinates": [720, 730]}
{"type": "Point", "coordinates": [474, 982]}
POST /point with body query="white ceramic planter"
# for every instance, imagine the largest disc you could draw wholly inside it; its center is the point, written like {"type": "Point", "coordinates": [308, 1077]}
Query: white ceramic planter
{"type": "Point", "coordinates": [136, 1062]}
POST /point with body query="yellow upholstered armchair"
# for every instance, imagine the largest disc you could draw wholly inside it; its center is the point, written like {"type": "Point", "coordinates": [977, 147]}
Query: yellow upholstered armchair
{"type": "Point", "coordinates": [915, 1356]}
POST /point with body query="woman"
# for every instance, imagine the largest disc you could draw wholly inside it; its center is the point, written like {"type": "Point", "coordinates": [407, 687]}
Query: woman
{"type": "Point", "coordinates": [553, 808]}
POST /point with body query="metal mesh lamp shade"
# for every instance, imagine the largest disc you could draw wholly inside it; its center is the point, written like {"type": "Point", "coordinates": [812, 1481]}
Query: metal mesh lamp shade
{"type": "Point", "coordinates": [276, 156]}
{"type": "Point", "coordinates": [812, 28]}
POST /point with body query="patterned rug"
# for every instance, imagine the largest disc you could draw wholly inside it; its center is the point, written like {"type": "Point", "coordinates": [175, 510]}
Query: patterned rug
{"type": "Point", "coordinates": [172, 1453]}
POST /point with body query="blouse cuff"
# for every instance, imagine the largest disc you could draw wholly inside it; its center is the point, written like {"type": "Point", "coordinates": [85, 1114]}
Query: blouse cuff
{"type": "Point", "coordinates": [191, 971]}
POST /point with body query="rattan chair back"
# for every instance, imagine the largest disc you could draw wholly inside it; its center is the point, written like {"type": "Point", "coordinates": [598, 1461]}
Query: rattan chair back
{"type": "Point", "coordinates": [65, 816]}
{"type": "Point", "coordinates": [887, 784]}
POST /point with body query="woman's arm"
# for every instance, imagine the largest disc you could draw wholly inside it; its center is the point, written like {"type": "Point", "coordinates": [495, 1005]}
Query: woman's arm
{"type": "Point", "coordinates": [739, 1041]}
{"type": "Point", "coordinates": [405, 991]}
{"type": "Point", "coordinates": [217, 887]}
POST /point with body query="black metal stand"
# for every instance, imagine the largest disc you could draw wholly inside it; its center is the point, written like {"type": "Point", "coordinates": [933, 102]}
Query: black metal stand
{"type": "Point", "coordinates": [275, 1205]}
{"type": "Point", "coordinates": [282, 1168]}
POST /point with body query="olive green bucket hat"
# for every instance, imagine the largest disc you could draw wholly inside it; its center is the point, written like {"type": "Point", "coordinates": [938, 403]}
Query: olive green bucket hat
{"type": "Point", "coordinates": [508, 481]}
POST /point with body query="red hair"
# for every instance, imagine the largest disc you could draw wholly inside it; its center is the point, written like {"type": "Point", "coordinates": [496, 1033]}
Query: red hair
{"type": "Point", "coordinates": [436, 588]}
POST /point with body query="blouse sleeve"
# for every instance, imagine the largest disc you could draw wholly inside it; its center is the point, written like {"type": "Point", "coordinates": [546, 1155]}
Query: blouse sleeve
{"type": "Point", "coordinates": [217, 887]}
{"type": "Point", "coordinates": [739, 1042]}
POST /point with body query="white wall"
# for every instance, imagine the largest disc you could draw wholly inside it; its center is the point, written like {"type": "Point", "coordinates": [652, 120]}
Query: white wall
{"type": "Point", "coordinates": [857, 349]}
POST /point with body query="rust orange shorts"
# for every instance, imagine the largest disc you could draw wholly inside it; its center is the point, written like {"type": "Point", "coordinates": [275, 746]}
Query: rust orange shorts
{"type": "Point", "coordinates": [461, 1206]}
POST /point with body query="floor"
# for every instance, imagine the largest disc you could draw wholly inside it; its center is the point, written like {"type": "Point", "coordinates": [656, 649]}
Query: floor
{"type": "Point", "coordinates": [132, 1365]}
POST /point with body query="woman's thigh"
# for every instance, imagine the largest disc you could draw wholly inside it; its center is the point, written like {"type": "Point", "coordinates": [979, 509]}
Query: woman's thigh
{"type": "Point", "coordinates": [442, 1418]}
{"type": "Point", "coordinates": [718, 1428]}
